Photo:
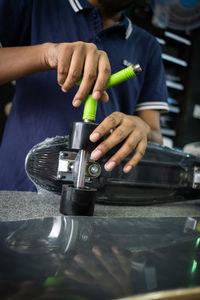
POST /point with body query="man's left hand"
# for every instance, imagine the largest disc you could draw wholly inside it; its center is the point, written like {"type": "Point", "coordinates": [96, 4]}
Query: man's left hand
{"type": "Point", "coordinates": [116, 128]}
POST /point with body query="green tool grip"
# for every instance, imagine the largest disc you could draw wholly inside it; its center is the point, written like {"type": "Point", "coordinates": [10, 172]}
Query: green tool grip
{"type": "Point", "coordinates": [90, 107]}
{"type": "Point", "coordinates": [120, 76]}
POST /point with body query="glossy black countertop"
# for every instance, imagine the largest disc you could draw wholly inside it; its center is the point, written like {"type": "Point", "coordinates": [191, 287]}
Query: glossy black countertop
{"type": "Point", "coordinates": [118, 252]}
{"type": "Point", "coordinates": [97, 258]}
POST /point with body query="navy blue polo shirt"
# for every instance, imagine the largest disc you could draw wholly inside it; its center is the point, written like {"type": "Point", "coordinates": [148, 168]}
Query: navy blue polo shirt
{"type": "Point", "coordinates": [40, 109]}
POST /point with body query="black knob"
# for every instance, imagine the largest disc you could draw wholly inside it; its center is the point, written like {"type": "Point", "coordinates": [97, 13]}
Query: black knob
{"type": "Point", "coordinates": [77, 201]}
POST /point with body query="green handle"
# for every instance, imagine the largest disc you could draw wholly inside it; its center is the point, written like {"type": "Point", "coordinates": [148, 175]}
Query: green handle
{"type": "Point", "coordinates": [120, 76]}
{"type": "Point", "coordinates": [90, 107]}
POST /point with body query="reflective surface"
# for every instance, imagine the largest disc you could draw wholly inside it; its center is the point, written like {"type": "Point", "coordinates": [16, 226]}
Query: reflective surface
{"type": "Point", "coordinates": [172, 178]}
{"type": "Point", "coordinates": [97, 258]}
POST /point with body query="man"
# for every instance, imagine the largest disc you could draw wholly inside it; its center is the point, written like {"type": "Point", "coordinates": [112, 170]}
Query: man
{"type": "Point", "coordinates": [64, 40]}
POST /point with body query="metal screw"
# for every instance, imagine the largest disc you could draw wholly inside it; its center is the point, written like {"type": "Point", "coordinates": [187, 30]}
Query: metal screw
{"type": "Point", "coordinates": [60, 176]}
{"type": "Point", "coordinates": [94, 170]}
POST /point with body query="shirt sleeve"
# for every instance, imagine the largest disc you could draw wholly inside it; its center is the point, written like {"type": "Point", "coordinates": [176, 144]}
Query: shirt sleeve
{"type": "Point", "coordinates": [154, 91]}
{"type": "Point", "coordinates": [15, 22]}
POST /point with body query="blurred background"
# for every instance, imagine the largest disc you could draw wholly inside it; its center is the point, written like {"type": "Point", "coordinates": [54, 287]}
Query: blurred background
{"type": "Point", "coordinates": [176, 25]}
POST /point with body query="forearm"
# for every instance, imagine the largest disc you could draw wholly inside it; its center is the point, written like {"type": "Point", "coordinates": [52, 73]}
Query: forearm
{"type": "Point", "coordinates": [17, 62]}
{"type": "Point", "coordinates": [152, 118]}
{"type": "Point", "coordinates": [155, 136]}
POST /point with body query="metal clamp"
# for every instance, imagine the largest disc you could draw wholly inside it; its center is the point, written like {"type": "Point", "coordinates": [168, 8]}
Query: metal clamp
{"type": "Point", "coordinates": [66, 167]}
{"type": "Point", "coordinates": [196, 178]}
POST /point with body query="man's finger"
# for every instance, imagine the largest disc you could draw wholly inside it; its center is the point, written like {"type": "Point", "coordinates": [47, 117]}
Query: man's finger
{"type": "Point", "coordinates": [104, 71]}
{"type": "Point", "coordinates": [128, 147]}
{"type": "Point", "coordinates": [78, 276]}
{"type": "Point", "coordinates": [104, 98]}
{"type": "Point", "coordinates": [63, 67]}
{"type": "Point", "coordinates": [75, 69]}
{"type": "Point", "coordinates": [118, 135]}
{"type": "Point", "coordinates": [124, 262]}
{"type": "Point", "coordinates": [89, 74]}
{"type": "Point", "coordinates": [106, 125]}
{"type": "Point", "coordinates": [139, 153]}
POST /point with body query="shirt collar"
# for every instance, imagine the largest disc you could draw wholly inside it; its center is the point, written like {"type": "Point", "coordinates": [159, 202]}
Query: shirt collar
{"type": "Point", "coordinates": [128, 26]}
{"type": "Point", "coordinates": [80, 5]}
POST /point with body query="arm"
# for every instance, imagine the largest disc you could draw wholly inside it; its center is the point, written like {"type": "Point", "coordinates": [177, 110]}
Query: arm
{"type": "Point", "coordinates": [152, 118]}
{"type": "Point", "coordinates": [17, 62]}
{"type": "Point", "coordinates": [71, 61]}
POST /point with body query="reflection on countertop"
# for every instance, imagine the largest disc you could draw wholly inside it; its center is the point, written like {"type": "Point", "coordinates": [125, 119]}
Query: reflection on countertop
{"type": "Point", "coordinates": [97, 258]}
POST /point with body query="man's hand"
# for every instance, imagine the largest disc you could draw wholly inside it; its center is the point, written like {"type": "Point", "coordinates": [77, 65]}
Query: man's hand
{"type": "Point", "coordinates": [76, 60]}
{"type": "Point", "coordinates": [73, 61]}
{"type": "Point", "coordinates": [119, 127]}
{"type": "Point", "coordinates": [108, 268]}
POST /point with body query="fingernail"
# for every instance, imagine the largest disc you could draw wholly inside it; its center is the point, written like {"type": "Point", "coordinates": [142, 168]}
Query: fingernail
{"type": "Point", "coordinates": [94, 136]}
{"type": "Point", "coordinates": [114, 249]}
{"type": "Point", "coordinates": [78, 259]}
{"type": "Point", "coordinates": [97, 251]}
{"type": "Point", "coordinates": [127, 169]}
{"type": "Point", "coordinates": [105, 97]}
{"type": "Point", "coordinates": [64, 90]}
{"type": "Point", "coordinates": [96, 95]}
{"type": "Point", "coordinates": [76, 103]}
{"type": "Point", "coordinates": [96, 154]}
{"type": "Point", "coordinates": [67, 272]}
{"type": "Point", "coordinates": [109, 166]}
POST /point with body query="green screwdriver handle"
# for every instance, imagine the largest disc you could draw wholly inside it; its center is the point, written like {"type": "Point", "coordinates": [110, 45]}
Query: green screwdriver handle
{"type": "Point", "coordinates": [90, 107]}
{"type": "Point", "coordinates": [120, 76]}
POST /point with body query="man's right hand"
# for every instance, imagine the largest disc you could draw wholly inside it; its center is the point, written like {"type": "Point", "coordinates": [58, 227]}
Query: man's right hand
{"type": "Point", "coordinates": [79, 60]}
{"type": "Point", "coordinates": [73, 61]}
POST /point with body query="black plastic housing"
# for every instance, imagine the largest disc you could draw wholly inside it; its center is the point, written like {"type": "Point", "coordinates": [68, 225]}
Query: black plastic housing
{"type": "Point", "coordinates": [79, 136]}
{"type": "Point", "coordinates": [76, 201]}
